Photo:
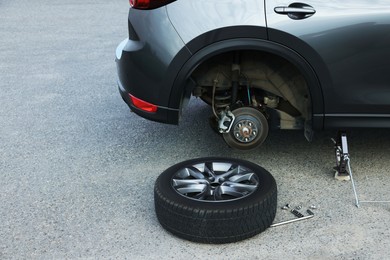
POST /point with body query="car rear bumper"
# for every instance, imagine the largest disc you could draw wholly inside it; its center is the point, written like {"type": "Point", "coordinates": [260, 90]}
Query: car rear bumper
{"type": "Point", "coordinates": [147, 63]}
{"type": "Point", "coordinates": [162, 114]}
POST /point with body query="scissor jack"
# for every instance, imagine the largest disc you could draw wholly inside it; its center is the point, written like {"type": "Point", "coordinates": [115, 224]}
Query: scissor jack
{"type": "Point", "coordinates": [343, 165]}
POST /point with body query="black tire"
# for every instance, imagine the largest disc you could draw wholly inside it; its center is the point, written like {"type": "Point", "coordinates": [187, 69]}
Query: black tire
{"type": "Point", "coordinates": [257, 132]}
{"type": "Point", "coordinates": [215, 217]}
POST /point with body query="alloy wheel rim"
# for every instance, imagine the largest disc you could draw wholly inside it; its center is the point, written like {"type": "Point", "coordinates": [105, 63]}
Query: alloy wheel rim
{"type": "Point", "coordinates": [215, 181]}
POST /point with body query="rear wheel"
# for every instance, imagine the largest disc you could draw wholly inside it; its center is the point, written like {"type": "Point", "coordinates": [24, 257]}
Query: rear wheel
{"type": "Point", "coordinates": [215, 200]}
{"type": "Point", "coordinates": [249, 129]}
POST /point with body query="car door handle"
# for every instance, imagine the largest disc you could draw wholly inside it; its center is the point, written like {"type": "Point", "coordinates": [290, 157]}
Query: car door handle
{"type": "Point", "coordinates": [287, 10]}
{"type": "Point", "coordinates": [296, 11]}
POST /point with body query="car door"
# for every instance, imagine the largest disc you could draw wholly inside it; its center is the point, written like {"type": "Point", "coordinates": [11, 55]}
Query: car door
{"type": "Point", "coordinates": [347, 43]}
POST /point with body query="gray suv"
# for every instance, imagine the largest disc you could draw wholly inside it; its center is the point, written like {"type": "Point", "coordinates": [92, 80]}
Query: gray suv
{"type": "Point", "coordinates": [260, 65]}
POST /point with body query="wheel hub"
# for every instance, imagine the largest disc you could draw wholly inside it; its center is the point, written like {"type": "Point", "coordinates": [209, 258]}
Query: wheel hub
{"type": "Point", "coordinates": [245, 131]}
{"type": "Point", "coordinates": [249, 129]}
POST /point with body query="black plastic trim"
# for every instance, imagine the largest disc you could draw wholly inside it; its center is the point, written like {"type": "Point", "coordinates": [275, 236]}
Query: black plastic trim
{"type": "Point", "coordinates": [161, 115]}
{"type": "Point", "coordinates": [219, 47]}
{"type": "Point", "coordinates": [225, 34]}
{"type": "Point", "coordinates": [357, 120]}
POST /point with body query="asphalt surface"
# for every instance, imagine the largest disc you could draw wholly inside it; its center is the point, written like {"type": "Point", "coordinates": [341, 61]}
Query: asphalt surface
{"type": "Point", "coordinates": [77, 169]}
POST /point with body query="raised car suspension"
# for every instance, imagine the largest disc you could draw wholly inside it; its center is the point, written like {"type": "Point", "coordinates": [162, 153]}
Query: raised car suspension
{"type": "Point", "coordinates": [235, 77]}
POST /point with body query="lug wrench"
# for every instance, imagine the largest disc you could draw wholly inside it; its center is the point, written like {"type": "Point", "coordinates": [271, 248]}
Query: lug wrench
{"type": "Point", "coordinates": [293, 220]}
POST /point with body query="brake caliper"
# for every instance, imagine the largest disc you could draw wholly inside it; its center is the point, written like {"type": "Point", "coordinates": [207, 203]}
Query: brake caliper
{"type": "Point", "coordinates": [225, 122]}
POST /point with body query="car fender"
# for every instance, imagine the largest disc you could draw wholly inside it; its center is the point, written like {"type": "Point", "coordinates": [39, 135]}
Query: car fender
{"type": "Point", "coordinates": [224, 42]}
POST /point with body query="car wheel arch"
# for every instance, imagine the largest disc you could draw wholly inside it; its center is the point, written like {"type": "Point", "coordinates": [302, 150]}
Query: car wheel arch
{"type": "Point", "coordinates": [182, 86]}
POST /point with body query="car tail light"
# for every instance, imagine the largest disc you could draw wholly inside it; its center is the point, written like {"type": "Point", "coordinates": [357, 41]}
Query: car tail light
{"type": "Point", "coordinates": [143, 105]}
{"type": "Point", "coordinates": [148, 4]}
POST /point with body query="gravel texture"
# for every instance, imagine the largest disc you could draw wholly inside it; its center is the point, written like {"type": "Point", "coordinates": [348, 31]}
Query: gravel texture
{"type": "Point", "coordinates": [77, 170]}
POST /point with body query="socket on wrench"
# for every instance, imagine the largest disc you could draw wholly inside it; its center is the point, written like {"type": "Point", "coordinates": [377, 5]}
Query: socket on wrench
{"type": "Point", "coordinates": [297, 214]}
